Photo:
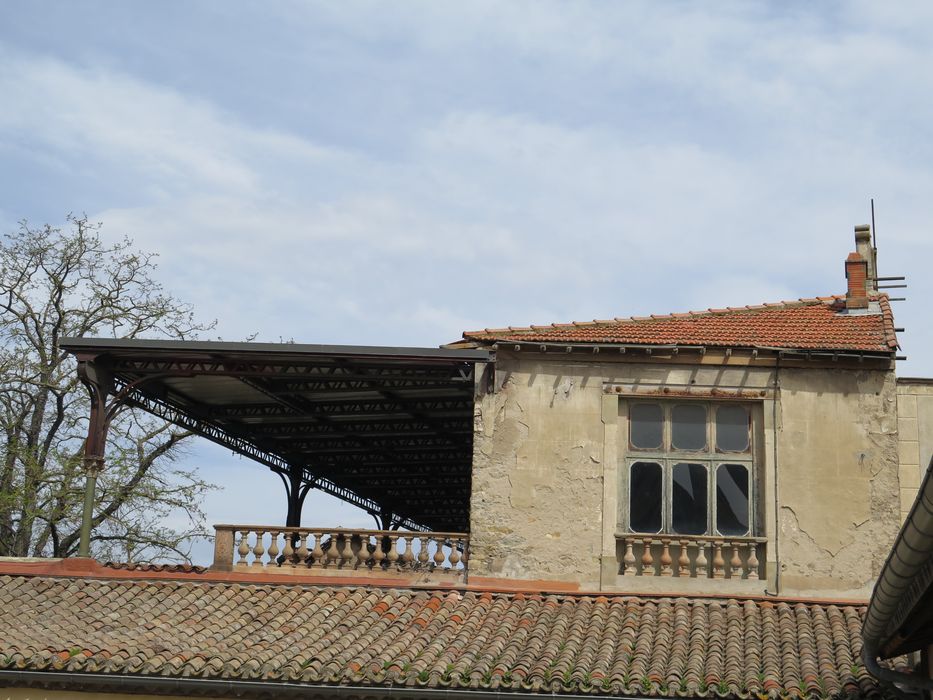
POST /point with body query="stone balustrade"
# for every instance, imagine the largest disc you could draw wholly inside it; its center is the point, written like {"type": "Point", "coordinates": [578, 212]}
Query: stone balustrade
{"type": "Point", "coordinates": [692, 557]}
{"type": "Point", "coordinates": [339, 551]}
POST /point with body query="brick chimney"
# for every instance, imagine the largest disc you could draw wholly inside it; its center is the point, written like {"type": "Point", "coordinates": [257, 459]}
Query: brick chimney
{"type": "Point", "coordinates": [856, 274]}
{"type": "Point", "coordinates": [864, 248]}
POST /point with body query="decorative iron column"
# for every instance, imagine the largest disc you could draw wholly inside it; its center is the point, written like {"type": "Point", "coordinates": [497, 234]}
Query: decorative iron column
{"type": "Point", "coordinates": [98, 380]}
{"type": "Point", "coordinates": [296, 488]}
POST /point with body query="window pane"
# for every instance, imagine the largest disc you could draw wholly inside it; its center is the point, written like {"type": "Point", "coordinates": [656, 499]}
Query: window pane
{"type": "Point", "coordinates": [732, 499]}
{"type": "Point", "coordinates": [688, 506]}
{"type": "Point", "coordinates": [647, 422]}
{"type": "Point", "coordinates": [732, 428]}
{"type": "Point", "coordinates": [688, 427]}
{"type": "Point", "coordinates": [645, 497]}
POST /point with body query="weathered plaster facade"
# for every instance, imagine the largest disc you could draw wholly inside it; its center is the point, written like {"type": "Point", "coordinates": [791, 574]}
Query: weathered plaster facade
{"type": "Point", "coordinates": [550, 448]}
{"type": "Point", "coordinates": [837, 478]}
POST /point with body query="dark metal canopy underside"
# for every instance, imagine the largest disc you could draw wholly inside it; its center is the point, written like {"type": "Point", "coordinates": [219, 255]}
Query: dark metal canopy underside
{"type": "Point", "coordinates": [387, 429]}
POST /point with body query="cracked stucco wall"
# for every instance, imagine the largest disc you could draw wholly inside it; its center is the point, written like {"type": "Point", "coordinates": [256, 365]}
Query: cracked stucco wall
{"type": "Point", "coordinates": [536, 508]}
{"type": "Point", "coordinates": [547, 455]}
{"type": "Point", "coordinates": [838, 479]}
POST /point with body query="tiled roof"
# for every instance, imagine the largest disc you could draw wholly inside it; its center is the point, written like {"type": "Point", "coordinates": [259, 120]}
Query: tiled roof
{"type": "Point", "coordinates": [146, 567]}
{"type": "Point", "coordinates": [454, 639]}
{"type": "Point", "coordinates": [810, 324]}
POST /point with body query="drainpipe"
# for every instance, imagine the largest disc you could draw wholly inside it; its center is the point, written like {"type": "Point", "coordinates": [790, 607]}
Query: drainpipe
{"type": "Point", "coordinates": [777, 498]}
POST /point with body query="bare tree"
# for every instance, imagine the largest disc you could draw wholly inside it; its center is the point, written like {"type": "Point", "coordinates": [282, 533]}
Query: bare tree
{"type": "Point", "coordinates": [57, 283]}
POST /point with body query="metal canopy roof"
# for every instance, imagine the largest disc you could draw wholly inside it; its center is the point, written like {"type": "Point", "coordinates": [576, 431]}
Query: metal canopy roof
{"type": "Point", "coordinates": [387, 429]}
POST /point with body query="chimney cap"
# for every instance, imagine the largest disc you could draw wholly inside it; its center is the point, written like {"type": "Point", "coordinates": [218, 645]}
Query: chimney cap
{"type": "Point", "coordinates": [855, 257]}
{"type": "Point", "coordinates": [863, 232]}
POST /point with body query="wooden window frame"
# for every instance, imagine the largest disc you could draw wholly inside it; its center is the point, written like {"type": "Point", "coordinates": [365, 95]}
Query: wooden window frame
{"type": "Point", "coordinates": [711, 458]}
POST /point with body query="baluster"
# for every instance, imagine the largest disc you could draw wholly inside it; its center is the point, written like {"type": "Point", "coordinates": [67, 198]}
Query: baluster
{"type": "Point", "coordinates": [316, 555]}
{"type": "Point", "coordinates": [392, 554]}
{"type": "Point", "coordinates": [464, 557]}
{"type": "Point", "coordinates": [719, 563]}
{"type": "Point", "coordinates": [683, 561]}
{"type": "Point", "coordinates": [666, 559]}
{"type": "Point", "coordinates": [346, 550]}
{"type": "Point", "coordinates": [408, 557]}
{"type": "Point", "coordinates": [628, 559]}
{"type": "Point", "coordinates": [332, 554]}
{"type": "Point", "coordinates": [315, 558]}
{"type": "Point", "coordinates": [378, 555]}
{"type": "Point", "coordinates": [360, 548]}
{"type": "Point", "coordinates": [647, 561]}
{"type": "Point", "coordinates": [454, 556]}
{"type": "Point", "coordinates": [243, 549]}
{"type": "Point", "coordinates": [735, 564]}
{"type": "Point", "coordinates": [273, 550]}
{"type": "Point", "coordinates": [702, 566]}
{"type": "Point", "coordinates": [439, 556]}
{"type": "Point", "coordinates": [258, 549]}
{"type": "Point", "coordinates": [288, 551]}
{"type": "Point", "coordinates": [422, 552]}
{"type": "Point", "coordinates": [753, 561]}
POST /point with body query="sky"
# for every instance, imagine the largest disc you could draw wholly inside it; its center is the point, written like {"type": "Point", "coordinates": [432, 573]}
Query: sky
{"type": "Point", "coordinates": [396, 173]}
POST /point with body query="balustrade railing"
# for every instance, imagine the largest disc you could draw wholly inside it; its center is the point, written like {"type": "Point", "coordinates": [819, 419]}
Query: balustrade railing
{"type": "Point", "coordinates": [259, 549]}
{"type": "Point", "coordinates": [692, 557]}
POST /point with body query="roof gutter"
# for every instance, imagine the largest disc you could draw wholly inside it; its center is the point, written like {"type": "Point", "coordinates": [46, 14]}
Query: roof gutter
{"type": "Point", "coordinates": [207, 687]}
{"type": "Point", "coordinates": [906, 576]}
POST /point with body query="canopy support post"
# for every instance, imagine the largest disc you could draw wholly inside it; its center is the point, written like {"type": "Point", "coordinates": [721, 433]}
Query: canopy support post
{"type": "Point", "coordinates": [296, 495]}
{"type": "Point", "coordinates": [99, 383]}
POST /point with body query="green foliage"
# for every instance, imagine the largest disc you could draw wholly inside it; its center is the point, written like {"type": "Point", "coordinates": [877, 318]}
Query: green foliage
{"type": "Point", "coordinates": [57, 283]}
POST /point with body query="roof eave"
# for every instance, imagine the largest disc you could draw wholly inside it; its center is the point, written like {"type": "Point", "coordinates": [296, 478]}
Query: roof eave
{"type": "Point", "coordinates": [596, 347]}
{"type": "Point", "coordinates": [104, 345]}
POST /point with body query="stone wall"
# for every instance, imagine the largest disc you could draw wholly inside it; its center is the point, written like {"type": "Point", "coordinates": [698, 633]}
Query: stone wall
{"type": "Point", "coordinates": [914, 435]}
{"type": "Point", "coordinates": [550, 445]}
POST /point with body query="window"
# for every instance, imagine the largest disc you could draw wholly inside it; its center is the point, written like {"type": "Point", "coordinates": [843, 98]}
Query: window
{"type": "Point", "coordinates": [690, 469]}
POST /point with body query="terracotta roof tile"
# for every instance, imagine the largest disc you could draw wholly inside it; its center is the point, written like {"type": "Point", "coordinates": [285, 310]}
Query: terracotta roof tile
{"type": "Point", "coordinates": [549, 643]}
{"type": "Point", "coordinates": [144, 566]}
{"type": "Point", "coordinates": [808, 324]}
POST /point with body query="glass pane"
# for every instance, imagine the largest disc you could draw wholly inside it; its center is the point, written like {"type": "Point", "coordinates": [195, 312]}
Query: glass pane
{"type": "Point", "coordinates": [688, 427]}
{"type": "Point", "coordinates": [732, 499]}
{"type": "Point", "coordinates": [688, 505]}
{"type": "Point", "coordinates": [645, 497]}
{"type": "Point", "coordinates": [647, 422]}
{"type": "Point", "coordinates": [732, 428]}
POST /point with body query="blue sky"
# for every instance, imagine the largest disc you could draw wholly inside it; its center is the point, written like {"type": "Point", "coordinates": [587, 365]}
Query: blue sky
{"type": "Point", "coordinates": [365, 172]}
